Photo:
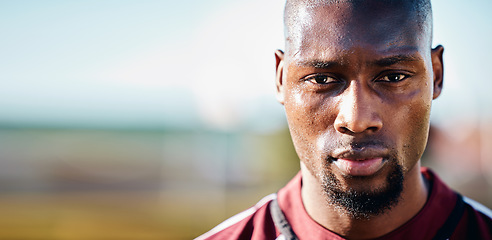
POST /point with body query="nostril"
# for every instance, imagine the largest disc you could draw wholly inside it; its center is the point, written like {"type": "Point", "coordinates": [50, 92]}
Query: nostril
{"type": "Point", "coordinates": [348, 130]}
{"type": "Point", "coordinates": [344, 130]}
{"type": "Point", "coordinates": [372, 129]}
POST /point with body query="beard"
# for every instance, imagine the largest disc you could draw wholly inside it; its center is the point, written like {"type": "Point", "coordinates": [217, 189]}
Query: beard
{"type": "Point", "coordinates": [361, 204]}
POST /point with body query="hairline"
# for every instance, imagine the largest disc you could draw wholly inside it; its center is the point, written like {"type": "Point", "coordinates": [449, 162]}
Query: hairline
{"type": "Point", "coordinates": [421, 10]}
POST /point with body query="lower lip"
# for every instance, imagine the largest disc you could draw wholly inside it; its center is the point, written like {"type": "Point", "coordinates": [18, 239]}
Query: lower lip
{"type": "Point", "coordinates": [365, 167]}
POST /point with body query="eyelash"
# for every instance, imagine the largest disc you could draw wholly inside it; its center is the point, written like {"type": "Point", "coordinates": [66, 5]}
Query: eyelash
{"type": "Point", "coordinates": [403, 77]}
{"type": "Point", "coordinates": [314, 79]}
{"type": "Point", "coordinates": [324, 79]}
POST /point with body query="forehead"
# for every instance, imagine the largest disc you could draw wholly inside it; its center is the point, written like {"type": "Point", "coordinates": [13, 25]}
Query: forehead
{"type": "Point", "coordinates": [327, 29]}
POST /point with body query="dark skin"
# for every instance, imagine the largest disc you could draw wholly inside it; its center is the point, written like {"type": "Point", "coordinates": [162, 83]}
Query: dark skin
{"type": "Point", "coordinates": [343, 86]}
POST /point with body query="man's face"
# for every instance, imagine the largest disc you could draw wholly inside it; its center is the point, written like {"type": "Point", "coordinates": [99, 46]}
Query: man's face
{"type": "Point", "coordinates": [357, 86]}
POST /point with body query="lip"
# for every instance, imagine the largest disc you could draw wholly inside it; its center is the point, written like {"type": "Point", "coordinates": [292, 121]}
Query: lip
{"type": "Point", "coordinates": [360, 162]}
{"type": "Point", "coordinates": [365, 167]}
{"type": "Point", "coordinates": [360, 153]}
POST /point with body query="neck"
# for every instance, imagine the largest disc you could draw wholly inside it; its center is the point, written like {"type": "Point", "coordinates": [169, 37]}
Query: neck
{"type": "Point", "coordinates": [413, 198]}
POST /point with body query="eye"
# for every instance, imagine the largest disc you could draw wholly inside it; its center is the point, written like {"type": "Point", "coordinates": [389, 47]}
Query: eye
{"type": "Point", "coordinates": [320, 79]}
{"type": "Point", "coordinates": [396, 77]}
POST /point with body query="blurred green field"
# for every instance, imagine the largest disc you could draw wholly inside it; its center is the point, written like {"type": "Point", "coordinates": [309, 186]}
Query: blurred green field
{"type": "Point", "coordinates": [78, 184]}
{"type": "Point", "coordinates": [133, 184]}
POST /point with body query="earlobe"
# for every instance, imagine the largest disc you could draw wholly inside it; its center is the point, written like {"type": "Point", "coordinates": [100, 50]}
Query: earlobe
{"type": "Point", "coordinates": [438, 69]}
{"type": "Point", "coordinates": [279, 66]}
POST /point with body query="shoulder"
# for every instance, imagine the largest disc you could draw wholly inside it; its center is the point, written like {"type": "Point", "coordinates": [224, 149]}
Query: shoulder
{"type": "Point", "coordinates": [478, 207]}
{"type": "Point", "coordinates": [255, 221]}
{"type": "Point", "coordinates": [476, 222]}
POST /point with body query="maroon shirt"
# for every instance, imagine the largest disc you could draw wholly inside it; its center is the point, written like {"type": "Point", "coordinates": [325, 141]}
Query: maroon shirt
{"type": "Point", "coordinates": [257, 223]}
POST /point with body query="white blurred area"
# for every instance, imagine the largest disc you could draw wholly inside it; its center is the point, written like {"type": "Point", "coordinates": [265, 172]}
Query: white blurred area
{"type": "Point", "coordinates": [462, 116]}
{"type": "Point", "coordinates": [189, 64]}
{"type": "Point", "coordinates": [133, 115]}
{"type": "Point", "coordinates": [129, 64]}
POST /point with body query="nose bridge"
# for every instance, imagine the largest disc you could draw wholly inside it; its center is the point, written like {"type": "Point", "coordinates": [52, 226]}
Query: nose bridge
{"type": "Point", "coordinates": [357, 110]}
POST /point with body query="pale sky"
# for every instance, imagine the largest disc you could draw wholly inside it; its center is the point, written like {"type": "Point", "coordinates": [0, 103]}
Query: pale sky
{"type": "Point", "coordinates": [188, 63]}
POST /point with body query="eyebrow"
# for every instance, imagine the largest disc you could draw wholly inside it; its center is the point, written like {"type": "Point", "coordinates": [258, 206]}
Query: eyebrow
{"type": "Point", "coordinates": [388, 61]}
{"type": "Point", "coordinates": [383, 62]}
{"type": "Point", "coordinates": [319, 63]}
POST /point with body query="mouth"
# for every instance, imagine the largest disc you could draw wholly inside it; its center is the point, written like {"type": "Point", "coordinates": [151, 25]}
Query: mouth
{"type": "Point", "coordinates": [362, 162]}
{"type": "Point", "coordinates": [361, 167]}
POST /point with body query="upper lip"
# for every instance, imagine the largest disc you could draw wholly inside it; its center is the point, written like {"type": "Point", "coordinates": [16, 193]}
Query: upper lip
{"type": "Point", "coordinates": [360, 154]}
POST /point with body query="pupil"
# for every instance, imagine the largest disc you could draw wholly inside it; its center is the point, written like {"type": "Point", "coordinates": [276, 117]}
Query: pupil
{"type": "Point", "coordinates": [320, 79]}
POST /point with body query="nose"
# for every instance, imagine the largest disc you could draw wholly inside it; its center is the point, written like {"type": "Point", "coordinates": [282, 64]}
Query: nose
{"type": "Point", "coordinates": [358, 110]}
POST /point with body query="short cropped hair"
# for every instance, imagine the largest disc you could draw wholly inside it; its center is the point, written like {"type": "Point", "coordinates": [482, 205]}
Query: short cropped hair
{"type": "Point", "coordinates": [421, 11]}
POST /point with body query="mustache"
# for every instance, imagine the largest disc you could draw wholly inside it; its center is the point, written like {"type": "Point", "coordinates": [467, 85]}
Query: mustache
{"type": "Point", "coordinates": [360, 149]}
{"type": "Point", "coordinates": [360, 144]}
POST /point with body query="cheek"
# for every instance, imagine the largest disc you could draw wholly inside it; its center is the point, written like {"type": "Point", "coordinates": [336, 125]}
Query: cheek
{"type": "Point", "coordinates": [309, 116]}
{"type": "Point", "coordinates": [414, 123]}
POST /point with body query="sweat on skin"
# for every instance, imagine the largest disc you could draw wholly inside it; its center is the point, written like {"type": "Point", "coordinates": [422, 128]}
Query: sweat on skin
{"type": "Point", "coordinates": [357, 81]}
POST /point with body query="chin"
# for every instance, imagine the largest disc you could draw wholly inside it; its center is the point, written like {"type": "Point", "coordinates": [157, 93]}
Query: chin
{"type": "Point", "coordinates": [364, 196]}
{"type": "Point", "coordinates": [372, 183]}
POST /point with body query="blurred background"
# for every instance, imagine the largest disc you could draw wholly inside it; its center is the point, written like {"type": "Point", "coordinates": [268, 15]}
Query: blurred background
{"type": "Point", "coordinates": [125, 119]}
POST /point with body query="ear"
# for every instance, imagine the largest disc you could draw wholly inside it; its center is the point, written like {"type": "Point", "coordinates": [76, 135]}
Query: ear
{"type": "Point", "coordinates": [438, 68]}
{"type": "Point", "coordinates": [279, 81]}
